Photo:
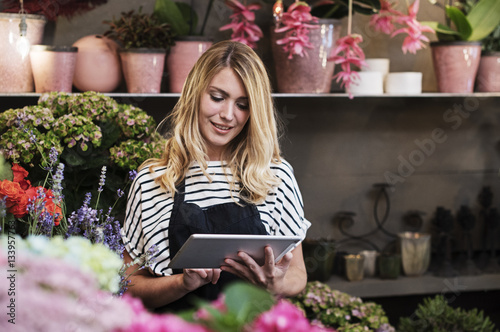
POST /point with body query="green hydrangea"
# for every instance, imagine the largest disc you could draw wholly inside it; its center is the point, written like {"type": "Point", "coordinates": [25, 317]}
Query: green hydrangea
{"type": "Point", "coordinates": [93, 105]}
{"type": "Point", "coordinates": [56, 102]}
{"type": "Point", "coordinates": [96, 258]}
{"type": "Point", "coordinates": [340, 310]}
{"type": "Point", "coordinates": [134, 122]}
{"type": "Point", "coordinates": [30, 116]}
{"type": "Point", "coordinates": [77, 129]}
{"type": "Point", "coordinates": [16, 145]}
{"type": "Point", "coordinates": [131, 154]}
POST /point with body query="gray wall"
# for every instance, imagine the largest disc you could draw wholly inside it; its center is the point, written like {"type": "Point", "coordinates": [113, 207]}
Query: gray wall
{"type": "Point", "coordinates": [340, 148]}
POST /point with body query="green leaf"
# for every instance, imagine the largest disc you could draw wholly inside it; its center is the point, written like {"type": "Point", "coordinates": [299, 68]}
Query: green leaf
{"type": "Point", "coordinates": [167, 11]}
{"type": "Point", "coordinates": [247, 301]}
{"type": "Point", "coordinates": [484, 17]}
{"type": "Point", "coordinates": [440, 28]}
{"type": "Point", "coordinates": [463, 26]}
{"type": "Point", "coordinates": [189, 16]}
{"type": "Point", "coordinates": [5, 170]}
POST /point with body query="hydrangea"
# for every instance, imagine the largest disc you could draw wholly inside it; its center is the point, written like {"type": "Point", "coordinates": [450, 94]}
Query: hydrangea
{"type": "Point", "coordinates": [340, 310]}
{"type": "Point", "coordinates": [53, 294]}
{"type": "Point", "coordinates": [131, 154]}
{"type": "Point", "coordinates": [96, 259]}
{"type": "Point", "coordinates": [134, 122]}
{"type": "Point", "coordinates": [77, 129]}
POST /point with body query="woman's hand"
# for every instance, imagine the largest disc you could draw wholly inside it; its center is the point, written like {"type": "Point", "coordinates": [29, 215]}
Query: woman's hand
{"type": "Point", "coordinates": [270, 276]}
{"type": "Point", "coordinates": [195, 278]}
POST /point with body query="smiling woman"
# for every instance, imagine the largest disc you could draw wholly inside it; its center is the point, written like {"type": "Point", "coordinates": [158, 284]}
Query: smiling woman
{"type": "Point", "coordinates": [221, 173]}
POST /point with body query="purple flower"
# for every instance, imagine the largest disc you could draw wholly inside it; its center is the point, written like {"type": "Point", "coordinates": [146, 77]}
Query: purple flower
{"type": "Point", "coordinates": [102, 180]}
{"type": "Point", "coordinates": [132, 175]}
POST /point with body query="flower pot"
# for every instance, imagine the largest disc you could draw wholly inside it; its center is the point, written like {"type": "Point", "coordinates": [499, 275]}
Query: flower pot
{"type": "Point", "coordinates": [415, 252]}
{"type": "Point", "coordinates": [488, 74]}
{"type": "Point", "coordinates": [389, 266]}
{"type": "Point", "coordinates": [53, 67]}
{"type": "Point", "coordinates": [15, 71]}
{"type": "Point", "coordinates": [455, 65]}
{"type": "Point", "coordinates": [98, 65]}
{"type": "Point", "coordinates": [312, 73]}
{"type": "Point", "coordinates": [319, 257]}
{"type": "Point", "coordinates": [182, 57]}
{"type": "Point", "coordinates": [143, 69]}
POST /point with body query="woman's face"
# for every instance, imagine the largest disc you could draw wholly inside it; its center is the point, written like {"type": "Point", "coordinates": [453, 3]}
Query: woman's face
{"type": "Point", "coordinates": [224, 111]}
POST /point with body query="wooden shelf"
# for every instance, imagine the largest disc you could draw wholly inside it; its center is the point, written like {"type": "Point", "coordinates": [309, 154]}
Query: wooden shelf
{"type": "Point", "coordinates": [426, 284]}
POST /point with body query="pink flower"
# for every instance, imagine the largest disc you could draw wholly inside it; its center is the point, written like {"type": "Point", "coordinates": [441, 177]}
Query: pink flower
{"type": "Point", "coordinates": [219, 304]}
{"type": "Point", "coordinates": [284, 317]}
{"type": "Point", "coordinates": [296, 23]}
{"type": "Point", "coordinates": [387, 16]}
{"type": "Point", "coordinates": [384, 20]}
{"type": "Point", "coordinates": [348, 53]}
{"type": "Point", "coordinates": [242, 23]}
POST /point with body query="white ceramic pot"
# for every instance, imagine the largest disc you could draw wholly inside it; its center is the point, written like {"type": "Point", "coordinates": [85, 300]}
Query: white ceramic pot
{"type": "Point", "coordinates": [368, 83]}
{"type": "Point", "coordinates": [404, 83]}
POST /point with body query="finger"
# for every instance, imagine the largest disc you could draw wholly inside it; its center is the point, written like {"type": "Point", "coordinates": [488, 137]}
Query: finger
{"type": "Point", "coordinates": [269, 258]}
{"type": "Point", "coordinates": [216, 275]}
{"type": "Point", "coordinates": [202, 273]}
{"type": "Point", "coordinates": [285, 261]}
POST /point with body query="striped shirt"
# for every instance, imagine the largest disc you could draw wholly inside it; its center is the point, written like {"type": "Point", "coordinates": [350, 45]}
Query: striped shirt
{"type": "Point", "coordinates": [149, 207]}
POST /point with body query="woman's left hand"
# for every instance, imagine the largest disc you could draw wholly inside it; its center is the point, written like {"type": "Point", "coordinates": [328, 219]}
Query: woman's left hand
{"type": "Point", "coordinates": [270, 276]}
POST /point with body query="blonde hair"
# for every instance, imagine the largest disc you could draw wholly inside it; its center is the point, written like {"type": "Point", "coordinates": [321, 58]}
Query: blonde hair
{"type": "Point", "coordinates": [250, 154]}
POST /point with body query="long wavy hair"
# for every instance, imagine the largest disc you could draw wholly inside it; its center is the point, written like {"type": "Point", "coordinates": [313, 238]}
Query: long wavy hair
{"type": "Point", "coordinates": [250, 154]}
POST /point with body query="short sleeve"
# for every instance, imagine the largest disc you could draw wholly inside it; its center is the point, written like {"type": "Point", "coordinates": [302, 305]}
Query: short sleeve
{"type": "Point", "coordinates": [288, 212]}
{"type": "Point", "coordinates": [132, 230]}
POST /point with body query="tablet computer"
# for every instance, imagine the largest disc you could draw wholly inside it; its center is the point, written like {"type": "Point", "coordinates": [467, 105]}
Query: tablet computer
{"type": "Point", "coordinates": [206, 251]}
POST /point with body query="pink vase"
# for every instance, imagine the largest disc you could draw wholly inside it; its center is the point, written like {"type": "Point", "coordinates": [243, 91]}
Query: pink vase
{"type": "Point", "coordinates": [98, 65]}
{"type": "Point", "coordinates": [143, 69]}
{"type": "Point", "coordinates": [15, 71]}
{"type": "Point", "coordinates": [488, 74]}
{"type": "Point", "coordinates": [312, 73]}
{"type": "Point", "coordinates": [182, 57]}
{"type": "Point", "coordinates": [53, 67]}
{"type": "Point", "coordinates": [455, 65]}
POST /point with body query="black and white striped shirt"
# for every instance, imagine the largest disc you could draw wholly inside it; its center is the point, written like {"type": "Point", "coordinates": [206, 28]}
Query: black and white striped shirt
{"type": "Point", "coordinates": [149, 207]}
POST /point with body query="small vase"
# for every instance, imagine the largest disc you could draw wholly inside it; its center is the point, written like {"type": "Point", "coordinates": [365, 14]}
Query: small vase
{"type": "Point", "coordinates": [319, 257]}
{"type": "Point", "coordinates": [354, 267]}
{"type": "Point", "coordinates": [143, 69]}
{"type": "Point", "coordinates": [312, 73]}
{"type": "Point", "coordinates": [53, 67]}
{"type": "Point", "coordinates": [389, 266]}
{"type": "Point", "coordinates": [182, 57]}
{"type": "Point", "coordinates": [455, 65]}
{"type": "Point", "coordinates": [488, 74]}
{"type": "Point", "coordinates": [98, 65]}
{"type": "Point", "coordinates": [415, 252]}
{"type": "Point", "coordinates": [15, 71]}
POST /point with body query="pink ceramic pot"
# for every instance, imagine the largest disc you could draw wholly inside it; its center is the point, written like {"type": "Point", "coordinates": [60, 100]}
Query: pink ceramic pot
{"type": "Point", "coordinates": [488, 74]}
{"type": "Point", "coordinates": [312, 73]}
{"type": "Point", "coordinates": [15, 71]}
{"type": "Point", "coordinates": [182, 57]}
{"type": "Point", "coordinates": [98, 65]}
{"type": "Point", "coordinates": [455, 65]}
{"type": "Point", "coordinates": [53, 67]}
{"type": "Point", "coordinates": [143, 69]}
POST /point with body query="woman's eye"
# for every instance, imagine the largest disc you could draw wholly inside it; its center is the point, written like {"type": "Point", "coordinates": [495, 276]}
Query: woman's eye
{"type": "Point", "coordinates": [242, 106]}
{"type": "Point", "coordinates": [216, 99]}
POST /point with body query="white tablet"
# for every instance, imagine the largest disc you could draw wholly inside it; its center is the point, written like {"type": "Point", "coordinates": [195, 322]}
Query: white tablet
{"type": "Point", "coordinates": [206, 251]}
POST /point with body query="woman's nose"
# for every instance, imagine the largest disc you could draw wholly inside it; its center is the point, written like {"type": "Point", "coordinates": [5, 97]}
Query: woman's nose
{"type": "Point", "coordinates": [227, 111]}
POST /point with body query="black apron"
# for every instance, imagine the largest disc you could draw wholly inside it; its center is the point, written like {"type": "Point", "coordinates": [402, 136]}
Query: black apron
{"type": "Point", "coordinates": [227, 218]}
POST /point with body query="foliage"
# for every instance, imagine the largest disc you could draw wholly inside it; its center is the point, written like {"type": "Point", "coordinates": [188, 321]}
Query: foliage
{"type": "Point", "coordinates": [140, 30]}
{"type": "Point", "coordinates": [52, 9]}
{"type": "Point", "coordinates": [481, 19]}
{"type": "Point", "coordinates": [339, 8]}
{"type": "Point", "coordinates": [339, 310]}
{"type": "Point", "coordinates": [437, 315]}
{"type": "Point", "coordinates": [181, 16]}
{"type": "Point", "coordinates": [87, 131]}
{"type": "Point", "coordinates": [492, 42]}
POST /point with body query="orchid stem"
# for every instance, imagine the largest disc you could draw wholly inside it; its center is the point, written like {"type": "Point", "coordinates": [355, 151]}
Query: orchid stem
{"type": "Point", "coordinates": [349, 19]}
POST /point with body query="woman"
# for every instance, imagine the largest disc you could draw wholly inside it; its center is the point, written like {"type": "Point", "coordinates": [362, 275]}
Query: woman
{"type": "Point", "coordinates": [221, 172]}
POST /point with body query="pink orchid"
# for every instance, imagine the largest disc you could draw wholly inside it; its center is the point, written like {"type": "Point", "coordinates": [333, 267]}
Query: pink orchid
{"type": "Point", "coordinates": [387, 16]}
{"type": "Point", "coordinates": [347, 53]}
{"type": "Point", "coordinates": [296, 23]}
{"type": "Point", "coordinates": [384, 20]}
{"type": "Point", "coordinates": [414, 29]}
{"type": "Point", "coordinates": [242, 23]}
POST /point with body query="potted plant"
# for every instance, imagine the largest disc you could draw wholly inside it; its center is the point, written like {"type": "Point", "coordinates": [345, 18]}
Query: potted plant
{"type": "Point", "coordinates": [465, 28]}
{"type": "Point", "coordinates": [488, 73]}
{"type": "Point", "coordinates": [145, 41]}
{"type": "Point", "coordinates": [189, 43]}
{"type": "Point", "coordinates": [310, 55]}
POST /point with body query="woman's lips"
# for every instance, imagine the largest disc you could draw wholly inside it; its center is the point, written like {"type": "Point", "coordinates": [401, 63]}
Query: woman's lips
{"type": "Point", "coordinates": [221, 128]}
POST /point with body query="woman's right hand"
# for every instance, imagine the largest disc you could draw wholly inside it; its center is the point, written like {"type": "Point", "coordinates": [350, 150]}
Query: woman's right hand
{"type": "Point", "coordinates": [195, 278]}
